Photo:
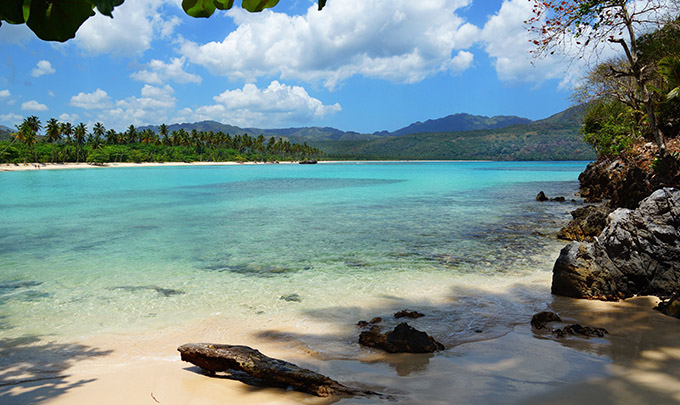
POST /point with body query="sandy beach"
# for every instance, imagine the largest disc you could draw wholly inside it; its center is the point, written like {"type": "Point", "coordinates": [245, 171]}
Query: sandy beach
{"type": "Point", "coordinates": [638, 362]}
{"type": "Point", "coordinates": [6, 167]}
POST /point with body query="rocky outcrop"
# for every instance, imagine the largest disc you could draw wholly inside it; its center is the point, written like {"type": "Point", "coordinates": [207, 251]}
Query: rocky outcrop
{"type": "Point", "coordinates": [587, 223]}
{"type": "Point", "coordinates": [262, 370]}
{"type": "Point", "coordinates": [637, 253]}
{"type": "Point", "coordinates": [403, 339]}
{"type": "Point", "coordinates": [631, 177]}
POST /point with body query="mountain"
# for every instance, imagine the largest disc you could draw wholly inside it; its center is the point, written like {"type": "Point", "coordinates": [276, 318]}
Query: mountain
{"type": "Point", "coordinates": [298, 135]}
{"type": "Point", "coordinates": [5, 133]}
{"type": "Point", "coordinates": [451, 123]}
{"type": "Point", "coordinates": [455, 137]}
{"type": "Point", "coordinates": [461, 122]}
{"type": "Point", "coordinates": [554, 138]}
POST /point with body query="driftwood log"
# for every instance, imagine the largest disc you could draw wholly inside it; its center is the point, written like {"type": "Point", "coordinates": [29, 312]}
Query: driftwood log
{"type": "Point", "coordinates": [265, 370]}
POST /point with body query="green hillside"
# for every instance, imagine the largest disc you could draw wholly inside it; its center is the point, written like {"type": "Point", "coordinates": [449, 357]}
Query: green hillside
{"type": "Point", "coordinates": [554, 138]}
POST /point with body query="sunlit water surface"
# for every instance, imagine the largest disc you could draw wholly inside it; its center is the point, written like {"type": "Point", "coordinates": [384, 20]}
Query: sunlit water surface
{"type": "Point", "coordinates": [86, 252]}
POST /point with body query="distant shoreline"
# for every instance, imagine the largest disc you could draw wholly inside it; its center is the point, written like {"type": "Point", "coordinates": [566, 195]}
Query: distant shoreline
{"type": "Point", "coordinates": [11, 167]}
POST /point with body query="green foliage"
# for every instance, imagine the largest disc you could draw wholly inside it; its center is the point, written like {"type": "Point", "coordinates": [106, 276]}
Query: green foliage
{"type": "Point", "coordinates": [58, 20]}
{"type": "Point", "coordinates": [64, 143]}
{"type": "Point", "coordinates": [610, 127]}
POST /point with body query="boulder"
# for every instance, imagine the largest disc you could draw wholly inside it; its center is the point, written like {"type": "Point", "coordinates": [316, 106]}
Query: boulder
{"type": "Point", "coordinates": [671, 306]}
{"type": "Point", "coordinates": [541, 196]}
{"type": "Point", "coordinates": [638, 253]}
{"type": "Point", "coordinates": [403, 339]}
{"type": "Point", "coordinates": [541, 319]}
{"type": "Point", "coordinates": [262, 370]}
{"type": "Point", "coordinates": [587, 223]}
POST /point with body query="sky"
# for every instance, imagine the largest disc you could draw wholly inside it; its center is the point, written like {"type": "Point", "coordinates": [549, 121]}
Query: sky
{"type": "Point", "coordinates": [357, 65]}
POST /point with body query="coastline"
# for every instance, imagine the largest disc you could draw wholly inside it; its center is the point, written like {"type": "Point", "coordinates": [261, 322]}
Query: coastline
{"type": "Point", "coordinates": [7, 167]}
{"type": "Point", "coordinates": [638, 362]}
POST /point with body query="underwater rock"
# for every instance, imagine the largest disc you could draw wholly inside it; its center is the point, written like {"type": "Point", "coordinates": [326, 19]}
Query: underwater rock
{"type": "Point", "coordinates": [291, 298]}
{"type": "Point", "coordinates": [404, 313]}
{"type": "Point", "coordinates": [166, 292]}
{"type": "Point", "coordinates": [402, 339]}
{"type": "Point", "coordinates": [262, 370]}
{"type": "Point", "coordinates": [638, 253]}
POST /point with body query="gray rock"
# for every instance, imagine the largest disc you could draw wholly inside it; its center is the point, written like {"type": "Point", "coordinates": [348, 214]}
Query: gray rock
{"type": "Point", "coordinates": [587, 223]}
{"type": "Point", "coordinates": [638, 253]}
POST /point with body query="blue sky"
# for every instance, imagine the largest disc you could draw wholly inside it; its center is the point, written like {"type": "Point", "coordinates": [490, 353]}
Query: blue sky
{"type": "Point", "coordinates": [360, 65]}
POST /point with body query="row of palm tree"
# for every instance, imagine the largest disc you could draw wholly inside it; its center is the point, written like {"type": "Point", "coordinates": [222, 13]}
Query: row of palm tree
{"type": "Point", "coordinates": [77, 143]}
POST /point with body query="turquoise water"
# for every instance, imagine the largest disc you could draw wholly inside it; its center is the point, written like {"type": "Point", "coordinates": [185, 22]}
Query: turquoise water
{"type": "Point", "coordinates": [85, 252]}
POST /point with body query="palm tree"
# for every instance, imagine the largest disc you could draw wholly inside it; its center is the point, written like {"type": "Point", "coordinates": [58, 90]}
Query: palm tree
{"type": "Point", "coordinates": [163, 133]}
{"type": "Point", "coordinates": [27, 133]}
{"type": "Point", "coordinates": [79, 134]}
{"type": "Point", "coordinates": [53, 134]}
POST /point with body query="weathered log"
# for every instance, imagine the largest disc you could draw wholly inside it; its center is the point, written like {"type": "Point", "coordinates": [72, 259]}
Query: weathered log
{"type": "Point", "coordinates": [266, 370]}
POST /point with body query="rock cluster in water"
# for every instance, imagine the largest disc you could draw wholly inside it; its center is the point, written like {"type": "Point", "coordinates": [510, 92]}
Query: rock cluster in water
{"type": "Point", "coordinates": [542, 319]}
{"type": "Point", "coordinates": [402, 339]}
{"type": "Point", "coordinates": [638, 253]}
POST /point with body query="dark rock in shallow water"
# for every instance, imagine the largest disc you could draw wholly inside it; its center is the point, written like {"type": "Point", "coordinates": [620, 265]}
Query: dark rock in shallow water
{"type": "Point", "coordinates": [403, 339]}
{"type": "Point", "coordinates": [540, 319]}
{"type": "Point", "coordinates": [262, 370]}
{"type": "Point", "coordinates": [671, 306]}
{"type": "Point", "coordinates": [587, 223]}
{"type": "Point", "coordinates": [579, 330]}
{"type": "Point", "coordinates": [638, 253]}
{"type": "Point", "coordinates": [404, 313]}
{"type": "Point", "coordinates": [291, 298]}
{"type": "Point", "coordinates": [166, 292]}
{"type": "Point", "coordinates": [541, 196]}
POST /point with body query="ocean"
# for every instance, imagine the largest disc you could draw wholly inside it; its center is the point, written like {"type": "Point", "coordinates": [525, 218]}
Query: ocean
{"type": "Point", "coordinates": [122, 250]}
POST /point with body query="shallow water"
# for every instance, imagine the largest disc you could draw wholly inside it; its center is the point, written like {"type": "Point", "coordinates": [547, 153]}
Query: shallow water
{"type": "Point", "coordinates": [88, 252]}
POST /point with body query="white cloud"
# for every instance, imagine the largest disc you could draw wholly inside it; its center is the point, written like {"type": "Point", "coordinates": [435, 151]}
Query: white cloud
{"type": "Point", "coordinates": [402, 41]}
{"type": "Point", "coordinates": [5, 93]}
{"type": "Point", "coordinates": [11, 118]}
{"type": "Point", "coordinates": [33, 105]}
{"type": "Point", "coordinates": [98, 100]}
{"type": "Point", "coordinates": [153, 107]}
{"type": "Point", "coordinates": [134, 26]}
{"type": "Point", "coordinates": [159, 72]}
{"type": "Point", "coordinates": [69, 117]}
{"type": "Point", "coordinates": [250, 106]}
{"type": "Point", "coordinates": [507, 40]}
{"type": "Point", "coordinates": [43, 68]}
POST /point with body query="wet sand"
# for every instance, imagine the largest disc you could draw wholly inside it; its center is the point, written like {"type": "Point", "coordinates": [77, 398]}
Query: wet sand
{"type": "Point", "coordinates": [637, 362]}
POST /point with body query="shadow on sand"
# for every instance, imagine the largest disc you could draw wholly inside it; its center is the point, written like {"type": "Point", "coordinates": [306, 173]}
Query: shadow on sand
{"type": "Point", "coordinates": [483, 362]}
{"type": "Point", "coordinates": [33, 371]}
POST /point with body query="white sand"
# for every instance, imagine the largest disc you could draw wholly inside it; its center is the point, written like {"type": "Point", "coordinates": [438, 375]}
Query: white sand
{"type": "Point", "coordinates": [58, 166]}
{"type": "Point", "coordinates": [638, 362]}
